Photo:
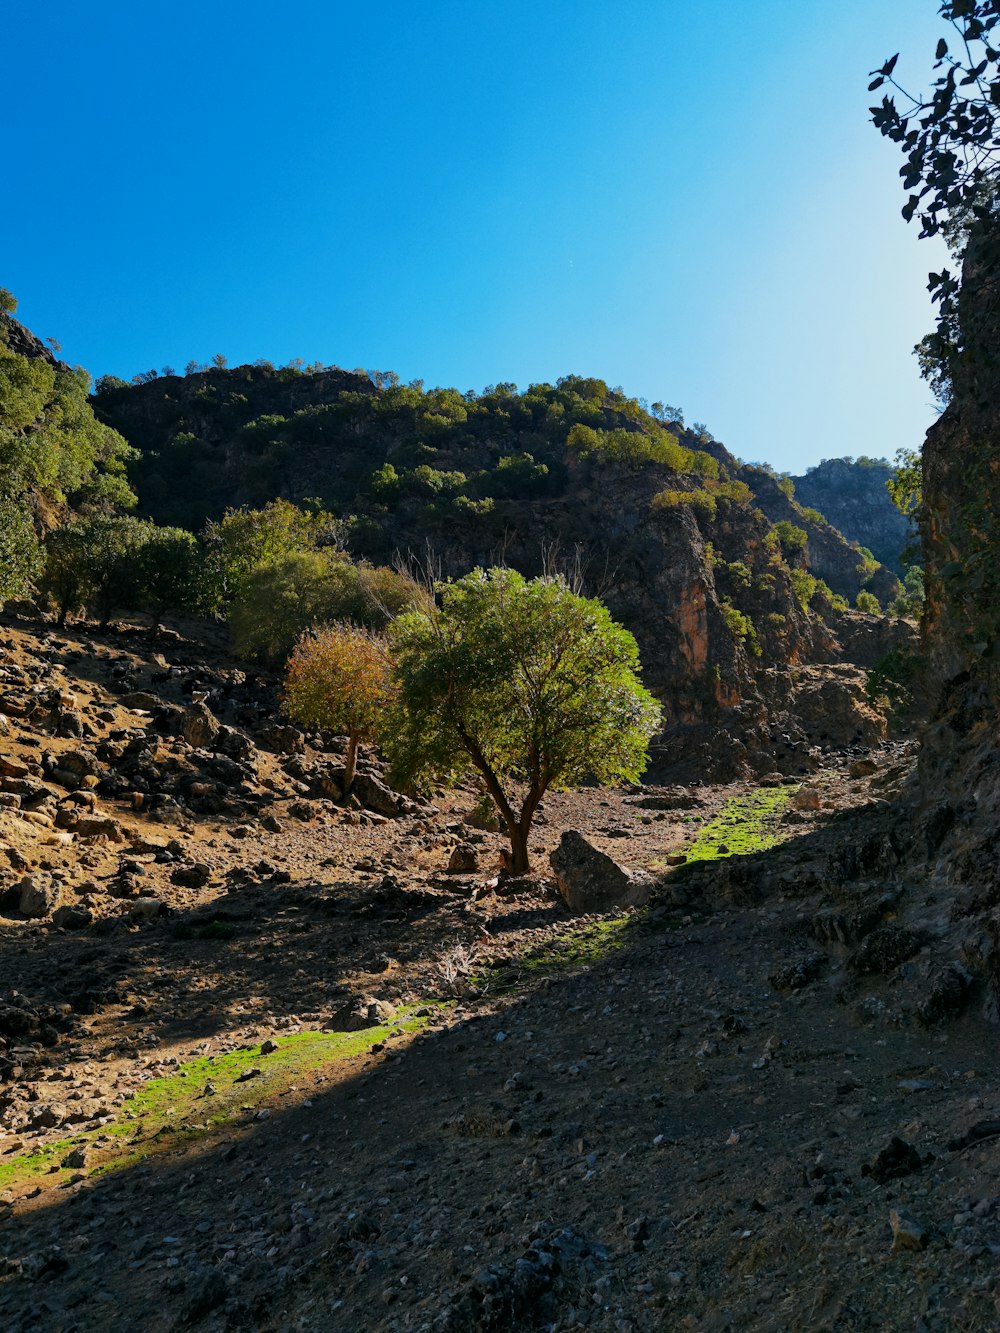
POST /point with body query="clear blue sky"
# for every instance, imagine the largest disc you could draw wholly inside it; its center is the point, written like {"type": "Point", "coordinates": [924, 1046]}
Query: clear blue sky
{"type": "Point", "coordinates": [685, 199]}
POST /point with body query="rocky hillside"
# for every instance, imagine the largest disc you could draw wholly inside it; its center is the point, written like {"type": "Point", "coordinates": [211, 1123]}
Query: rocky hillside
{"type": "Point", "coordinates": [852, 494]}
{"type": "Point", "coordinates": [665, 525]}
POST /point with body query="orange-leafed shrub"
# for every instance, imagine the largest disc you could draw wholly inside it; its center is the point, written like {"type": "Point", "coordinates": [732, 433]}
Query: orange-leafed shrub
{"type": "Point", "coordinates": [340, 677]}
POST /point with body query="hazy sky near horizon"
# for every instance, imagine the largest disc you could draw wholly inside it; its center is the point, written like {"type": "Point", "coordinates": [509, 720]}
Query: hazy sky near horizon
{"type": "Point", "coordinates": [686, 200]}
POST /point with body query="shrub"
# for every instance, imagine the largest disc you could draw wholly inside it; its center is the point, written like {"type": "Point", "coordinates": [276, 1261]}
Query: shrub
{"type": "Point", "coordinates": [869, 603]}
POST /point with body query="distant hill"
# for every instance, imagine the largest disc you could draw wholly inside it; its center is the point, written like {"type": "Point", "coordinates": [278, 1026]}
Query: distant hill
{"type": "Point", "coordinates": [852, 494]}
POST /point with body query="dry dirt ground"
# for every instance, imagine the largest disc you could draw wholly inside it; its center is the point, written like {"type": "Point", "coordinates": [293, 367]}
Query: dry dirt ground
{"type": "Point", "coordinates": [677, 1118]}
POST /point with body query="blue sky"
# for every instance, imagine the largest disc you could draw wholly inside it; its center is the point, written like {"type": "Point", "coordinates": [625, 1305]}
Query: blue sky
{"type": "Point", "coordinates": [684, 199]}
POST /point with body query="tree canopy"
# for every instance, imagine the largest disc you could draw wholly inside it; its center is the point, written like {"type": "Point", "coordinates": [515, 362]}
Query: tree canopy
{"type": "Point", "coordinates": [525, 683]}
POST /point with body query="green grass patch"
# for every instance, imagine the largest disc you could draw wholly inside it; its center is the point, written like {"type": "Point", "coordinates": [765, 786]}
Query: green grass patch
{"type": "Point", "coordinates": [576, 946]}
{"type": "Point", "coordinates": [175, 1109]}
{"type": "Point", "coordinates": [745, 825]}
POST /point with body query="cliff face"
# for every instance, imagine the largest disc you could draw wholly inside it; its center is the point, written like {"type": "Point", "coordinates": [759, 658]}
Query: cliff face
{"type": "Point", "coordinates": [852, 494]}
{"type": "Point", "coordinates": [958, 779]}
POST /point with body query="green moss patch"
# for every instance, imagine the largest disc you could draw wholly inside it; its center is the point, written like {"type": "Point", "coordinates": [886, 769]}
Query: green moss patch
{"type": "Point", "coordinates": [745, 825]}
{"type": "Point", "coordinates": [199, 1098]}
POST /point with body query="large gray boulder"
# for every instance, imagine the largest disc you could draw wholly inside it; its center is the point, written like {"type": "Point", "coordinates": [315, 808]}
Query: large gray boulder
{"type": "Point", "coordinates": [589, 880]}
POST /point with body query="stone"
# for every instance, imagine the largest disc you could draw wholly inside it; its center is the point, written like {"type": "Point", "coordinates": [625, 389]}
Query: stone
{"type": "Point", "coordinates": [884, 949]}
{"type": "Point", "coordinates": [99, 826]}
{"type": "Point", "coordinates": [37, 896]}
{"type": "Point", "coordinates": [375, 795]}
{"type": "Point", "coordinates": [862, 768]}
{"type": "Point", "coordinates": [199, 726]}
{"type": "Point", "coordinates": [191, 877]}
{"type": "Point", "coordinates": [72, 917]}
{"type": "Point", "coordinates": [907, 1232]}
{"type": "Point", "coordinates": [947, 996]}
{"type": "Point", "coordinates": [893, 1162]}
{"type": "Point", "coordinates": [463, 860]}
{"type": "Point", "coordinates": [283, 740]}
{"type": "Point", "coordinates": [359, 1013]}
{"type": "Point", "coordinates": [588, 880]}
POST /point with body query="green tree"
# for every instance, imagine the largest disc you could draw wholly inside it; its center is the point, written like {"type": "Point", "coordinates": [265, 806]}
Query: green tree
{"type": "Point", "coordinates": [20, 557]}
{"type": "Point", "coordinates": [951, 142]}
{"type": "Point", "coordinates": [340, 677]}
{"type": "Point", "coordinates": [244, 539]}
{"type": "Point", "coordinates": [170, 571]}
{"type": "Point", "coordinates": [66, 577]}
{"type": "Point", "coordinates": [111, 547]}
{"type": "Point", "coordinates": [869, 603]}
{"type": "Point", "coordinates": [278, 601]}
{"type": "Point", "coordinates": [523, 681]}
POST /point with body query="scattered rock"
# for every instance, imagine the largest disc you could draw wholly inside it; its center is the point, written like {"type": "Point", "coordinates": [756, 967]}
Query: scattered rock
{"type": "Point", "coordinates": [356, 1014]}
{"type": "Point", "coordinates": [37, 896]}
{"type": "Point", "coordinates": [199, 727]}
{"type": "Point", "coordinates": [893, 1162]}
{"type": "Point", "coordinates": [464, 860]}
{"type": "Point", "coordinates": [884, 949]}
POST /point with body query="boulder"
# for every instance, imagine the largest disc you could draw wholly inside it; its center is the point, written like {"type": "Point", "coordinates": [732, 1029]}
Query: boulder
{"type": "Point", "coordinates": [72, 917]}
{"type": "Point", "coordinates": [283, 740]}
{"type": "Point", "coordinates": [589, 880]}
{"type": "Point", "coordinates": [375, 795]}
{"type": "Point", "coordinates": [36, 896]}
{"type": "Point", "coordinates": [463, 860]}
{"type": "Point", "coordinates": [199, 726]}
{"type": "Point", "coordinates": [361, 1012]}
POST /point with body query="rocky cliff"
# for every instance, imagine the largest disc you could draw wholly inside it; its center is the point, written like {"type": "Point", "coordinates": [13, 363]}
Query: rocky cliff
{"type": "Point", "coordinates": [852, 494]}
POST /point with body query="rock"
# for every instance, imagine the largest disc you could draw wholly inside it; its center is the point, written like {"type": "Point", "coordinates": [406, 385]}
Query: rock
{"type": "Point", "coordinates": [206, 1293]}
{"type": "Point", "coordinates": [364, 1012]}
{"type": "Point", "coordinates": [797, 975]}
{"type": "Point", "coordinates": [142, 700]}
{"type": "Point", "coordinates": [304, 810]}
{"type": "Point", "coordinates": [907, 1232]}
{"type": "Point", "coordinates": [199, 727]}
{"type": "Point", "coordinates": [76, 768]}
{"type": "Point", "coordinates": [896, 1160]}
{"type": "Point", "coordinates": [236, 744]}
{"type": "Point", "coordinates": [272, 823]}
{"type": "Point", "coordinates": [862, 768]}
{"type": "Point", "coordinates": [884, 949]}
{"type": "Point", "coordinates": [464, 860]}
{"type": "Point", "coordinates": [588, 880]}
{"type": "Point", "coordinates": [375, 795]}
{"type": "Point", "coordinates": [72, 917]}
{"type": "Point", "coordinates": [99, 826]}
{"type": "Point", "coordinates": [76, 1159]}
{"type": "Point", "coordinates": [47, 1115]}
{"type": "Point", "coordinates": [37, 897]}
{"type": "Point", "coordinates": [283, 740]}
{"type": "Point", "coordinates": [13, 768]}
{"type": "Point", "coordinates": [191, 877]}
{"type": "Point", "coordinates": [949, 992]}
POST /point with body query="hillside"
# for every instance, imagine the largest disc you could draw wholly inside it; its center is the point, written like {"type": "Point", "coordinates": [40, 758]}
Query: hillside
{"type": "Point", "coordinates": [852, 494]}
{"type": "Point", "coordinates": [665, 525]}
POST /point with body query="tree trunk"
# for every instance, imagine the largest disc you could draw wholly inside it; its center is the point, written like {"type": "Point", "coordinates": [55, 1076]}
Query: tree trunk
{"type": "Point", "coordinates": [350, 761]}
{"type": "Point", "coordinates": [519, 863]}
